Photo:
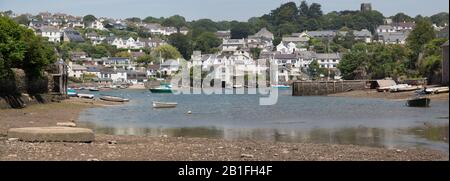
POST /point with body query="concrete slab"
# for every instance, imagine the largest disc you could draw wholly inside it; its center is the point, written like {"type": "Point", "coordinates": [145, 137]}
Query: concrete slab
{"type": "Point", "coordinates": [52, 134]}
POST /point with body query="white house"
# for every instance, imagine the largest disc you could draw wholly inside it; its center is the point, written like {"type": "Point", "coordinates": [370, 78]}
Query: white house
{"type": "Point", "coordinates": [328, 60]}
{"type": "Point", "coordinates": [170, 66]}
{"type": "Point", "coordinates": [98, 25]}
{"type": "Point", "coordinates": [129, 43]}
{"type": "Point", "coordinates": [76, 70]}
{"type": "Point", "coordinates": [233, 44]}
{"type": "Point", "coordinates": [52, 33]}
{"type": "Point", "coordinates": [385, 29]}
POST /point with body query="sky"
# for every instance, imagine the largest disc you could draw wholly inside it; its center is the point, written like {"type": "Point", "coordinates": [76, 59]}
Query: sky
{"type": "Point", "coordinates": [240, 10]}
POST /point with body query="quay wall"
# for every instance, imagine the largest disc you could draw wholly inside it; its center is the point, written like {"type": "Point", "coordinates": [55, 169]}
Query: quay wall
{"type": "Point", "coordinates": [313, 88]}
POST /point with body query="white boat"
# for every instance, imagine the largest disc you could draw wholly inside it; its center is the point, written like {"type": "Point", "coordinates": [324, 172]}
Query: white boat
{"type": "Point", "coordinates": [87, 96]}
{"type": "Point", "coordinates": [437, 90]}
{"type": "Point", "coordinates": [281, 86]}
{"type": "Point", "coordinates": [164, 104]}
{"type": "Point", "coordinates": [403, 88]}
{"type": "Point", "coordinates": [114, 99]}
{"type": "Point", "coordinates": [237, 86]}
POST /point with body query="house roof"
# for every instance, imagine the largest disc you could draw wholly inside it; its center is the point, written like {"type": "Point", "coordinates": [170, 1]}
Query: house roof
{"type": "Point", "coordinates": [264, 33]}
{"type": "Point", "coordinates": [48, 29]}
{"type": "Point", "coordinates": [73, 35]}
{"type": "Point", "coordinates": [170, 62]}
{"type": "Point", "coordinates": [328, 56]}
{"type": "Point", "coordinates": [326, 33]}
{"type": "Point", "coordinates": [285, 56]}
{"type": "Point", "coordinates": [385, 27]}
{"type": "Point", "coordinates": [295, 39]}
{"type": "Point", "coordinates": [394, 36]}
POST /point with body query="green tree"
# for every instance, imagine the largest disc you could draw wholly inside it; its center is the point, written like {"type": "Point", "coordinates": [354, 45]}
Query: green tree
{"type": "Point", "coordinates": [89, 18]}
{"type": "Point", "coordinates": [207, 42]}
{"type": "Point", "coordinates": [134, 19]}
{"type": "Point", "coordinates": [176, 21]}
{"type": "Point", "coordinates": [123, 54]}
{"type": "Point", "coordinates": [440, 19]}
{"type": "Point", "coordinates": [421, 35]}
{"type": "Point", "coordinates": [182, 43]}
{"type": "Point", "coordinates": [22, 19]}
{"type": "Point", "coordinates": [240, 30]}
{"type": "Point", "coordinates": [166, 52]}
{"type": "Point", "coordinates": [255, 52]}
{"type": "Point", "coordinates": [314, 70]}
{"type": "Point", "coordinates": [146, 60]}
{"type": "Point", "coordinates": [402, 17]}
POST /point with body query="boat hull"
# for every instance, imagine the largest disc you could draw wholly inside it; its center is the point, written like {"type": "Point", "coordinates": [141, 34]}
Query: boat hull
{"type": "Point", "coordinates": [161, 91]}
{"type": "Point", "coordinates": [164, 105]}
{"type": "Point", "coordinates": [114, 99]}
{"type": "Point", "coordinates": [419, 102]}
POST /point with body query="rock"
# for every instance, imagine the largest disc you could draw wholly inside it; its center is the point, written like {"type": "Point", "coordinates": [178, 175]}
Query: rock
{"type": "Point", "coordinates": [12, 155]}
{"type": "Point", "coordinates": [52, 134]}
{"type": "Point", "coordinates": [112, 142]}
{"type": "Point", "coordinates": [246, 156]}
{"type": "Point", "coordinates": [72, 120]}
{"type": "Point", "coordinates": [220, 147]}
{"type": "Point", "coordinates": [285, 151]}
{"type": "Point", "coordinates": [276, 154]}
{"type": "Point", "coordinates": [66, 124]}
{"type": "Point", "coordinates": [93, 159]}
{"type": "Point", "coordinates": [398, 150]}
{"type": "Point", "coordinates": [13, 139]}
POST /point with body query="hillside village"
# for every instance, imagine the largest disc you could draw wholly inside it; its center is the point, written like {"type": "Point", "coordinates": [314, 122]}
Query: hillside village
{"type": "Point", "coordinates": [294, 53]}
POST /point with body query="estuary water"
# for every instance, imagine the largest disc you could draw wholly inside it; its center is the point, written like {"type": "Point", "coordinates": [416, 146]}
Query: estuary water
{"type": "Point", "coordinates": [337, 120]}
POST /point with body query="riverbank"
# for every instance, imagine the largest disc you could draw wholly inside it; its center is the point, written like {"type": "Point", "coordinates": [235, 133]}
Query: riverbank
{"type": "Point", "coordinates": [397, 96]}
{"type": "Point", "coordinates": [114, 147]}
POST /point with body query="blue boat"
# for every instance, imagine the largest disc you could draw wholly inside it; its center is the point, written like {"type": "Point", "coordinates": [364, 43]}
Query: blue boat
{"type": "Point", "coordinates": [72, 93]}
{"type": "Point", "coordinates": [281, 86]}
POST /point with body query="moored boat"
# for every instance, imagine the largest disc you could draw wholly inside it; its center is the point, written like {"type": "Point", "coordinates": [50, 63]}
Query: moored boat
{"type": "Point", "coordinates": [281, 86]}
{"type": "Point", "coordinates": [71, 93]}
{"type": "Point", "coordinates": [163, 88]}
{"type": "Point", "coordinates": [114, 99]}
{"type": "Point", "coordinates": [419, 102]}
{"type": "Point", "coordinates": [86, 96]}
{"type": "Point", "coordinates": [164, 104]}
{"type": "Point", "coordinates": [93, 89]}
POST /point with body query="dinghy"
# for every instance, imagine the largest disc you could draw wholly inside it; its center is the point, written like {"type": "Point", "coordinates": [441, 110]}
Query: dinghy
{"type": "Point", "coordinates": [86, 96]}
{"type": "Point", "coordinates": [419, 102]}
{"type": "Point", "coordinates": [164, 104]}
{"type": "Point", "coordinates": [114, 99]}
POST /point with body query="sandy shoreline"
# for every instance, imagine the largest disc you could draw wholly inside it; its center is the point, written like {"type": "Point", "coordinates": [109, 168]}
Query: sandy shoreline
{"type": "Point", "coordinates": [396, 96]}
{"type": "Point", "coordinates": [114, 147]}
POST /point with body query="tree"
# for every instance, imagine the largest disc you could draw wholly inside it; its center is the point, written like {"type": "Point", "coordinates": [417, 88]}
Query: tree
{"type": "Point", "coordinates": [123, 54]}
{"type": "Point", "coordinates": [176, 21]}
{"type": "Point", "coordinates": [421, 35]}
{"type": "Point", "coordinates": [134, 19]}
{"type": "Point", "coordinates": [240, 30]}
{"type": "Point", "coordinates": [440, 19]}
{"type": "Point", "coordinates": [207, 42]}
{"type": "Point", "coordinates": [315, 11]}
{"type": "Point", "coordinates": [182, 43]}
{"type": "Point", "coordinates": [401, 17]}
{"type": "Point", "coordinates": [255, 52]}
{"type": "Point", "coordinates": [431, 63]}
{"type": "Point", "coordinates": [304, 9]}
{"type": "Point", "coordinates": [353, 61]}
{"type": "Point", "coordinates": [89, 18]}
{"type": "Point", "coordinates": [314, 69]}
{"type": "Point", "coordinates": [146, 60]}
{"type": "Point", "coordinates": [151, 19]}
{"type": "Point", "coordinates": [22, 19]}
{"type": "Point", "coordinates": [166, 52]}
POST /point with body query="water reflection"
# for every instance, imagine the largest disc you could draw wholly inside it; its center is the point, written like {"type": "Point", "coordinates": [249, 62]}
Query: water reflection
{"type": "Point", "coordinates": [434, 137]}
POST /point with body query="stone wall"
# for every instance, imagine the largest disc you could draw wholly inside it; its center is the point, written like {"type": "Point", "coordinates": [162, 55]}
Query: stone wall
{"type": "Point", "coordinates": [312, 88]}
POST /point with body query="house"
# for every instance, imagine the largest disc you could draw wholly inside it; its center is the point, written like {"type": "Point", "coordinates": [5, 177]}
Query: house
{"type": "Point", "coordinates": [326, 34]}
{"type": "Point", "coordinates": [299, 41]}
{"type": "Point", "coordinates": [233, 44]}
{"type": "Point", "coordinates": [75, 23]}
{"type": "Point", "coordinates": [37, 23]}
{"type": "Point", "coordinates": [287, 48]}
{"type": "Point", "coordinates": [129, 43]}
{"type": "Point", "coordinates": [285, 59]}
{"type": "Point", "coordinates": [404, 26]}
{"type": "Point", "coordinates": [77, 55]}
{"type": "Point", "coordinates": [305, 58]}
{"type": "Point", "coordinates": [75, 70]}
{"type": "Point", "coordinates": [328, 60]}
{"type": "Point", "coordinates": [95, 38]}
{"type": "Point", "coordinates": [264, 34]}
{"type": "Point", "coordinates": [52, 33]}
{"type": "Point", "coordinates": [170, 66]}
{"type": "Point", "coordinates": [116, 75]}
{"type": "Point", "coordinates": [155, 28]}
{"type": "Point", "coordinates": [445, 63]}
{"type": "Point", "coordinates": [363, 35]}
{"type": "Point", "coordinates": [98, 25]}
{"type": "Point", "coordinates": [393, 37]}
{"type": "Point", "coordinates": [223, 34]}
{"type": "Point", "coordinates": [71, 35]}
{"type": "Point", "coordinates": [443, 33]}
{"type": "Point", "coordinates": [136, 77]}
{"type": "Point", "coordinates": [118, 63]}
{"type": "Point", "coordinates": [385, 29]}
